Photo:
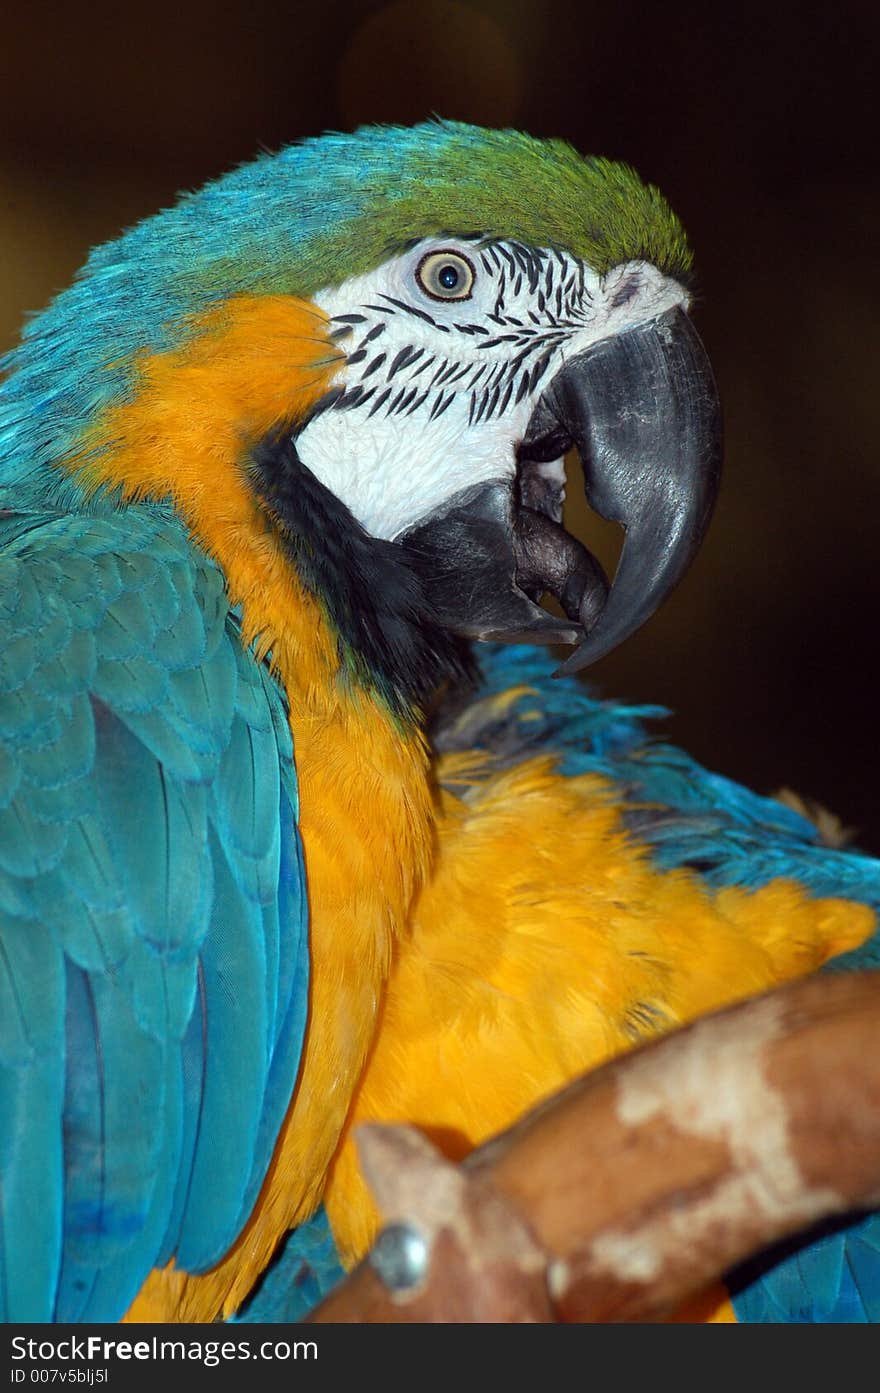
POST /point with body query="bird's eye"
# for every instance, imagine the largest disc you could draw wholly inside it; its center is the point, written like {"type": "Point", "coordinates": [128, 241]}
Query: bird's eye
{"type": "Point", "coordinates": [446, 276]}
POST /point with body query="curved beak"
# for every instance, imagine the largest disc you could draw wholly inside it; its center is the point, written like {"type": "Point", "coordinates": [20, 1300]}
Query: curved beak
{"type": "Point", "coordinates": [642, 409]}
{"type": "Point", "coordinates": [643, 412]}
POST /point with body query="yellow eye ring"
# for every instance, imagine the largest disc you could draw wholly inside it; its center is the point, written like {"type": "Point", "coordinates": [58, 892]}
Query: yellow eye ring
{"type": "Point", "coordinates": [446, 275]}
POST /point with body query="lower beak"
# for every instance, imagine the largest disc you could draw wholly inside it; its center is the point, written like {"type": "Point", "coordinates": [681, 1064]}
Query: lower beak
{"type": "Point", "coordinates": [642, 409]}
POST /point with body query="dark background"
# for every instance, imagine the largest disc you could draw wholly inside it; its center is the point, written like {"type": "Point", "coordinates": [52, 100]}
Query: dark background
{"type": "Point", "coordinates": [758, 122]}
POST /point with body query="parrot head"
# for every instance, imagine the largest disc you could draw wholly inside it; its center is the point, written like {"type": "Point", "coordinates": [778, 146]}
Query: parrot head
{"type": "Point", "coordinates": [483, 302]}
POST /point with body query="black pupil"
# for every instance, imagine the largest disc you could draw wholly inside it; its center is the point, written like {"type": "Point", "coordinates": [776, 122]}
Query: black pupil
{"type": "Point", "coordinates": [448, 276]}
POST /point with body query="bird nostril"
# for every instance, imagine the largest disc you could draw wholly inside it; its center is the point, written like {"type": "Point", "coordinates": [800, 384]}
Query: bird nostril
{"type": "Point", "coordinates": [626, 291]}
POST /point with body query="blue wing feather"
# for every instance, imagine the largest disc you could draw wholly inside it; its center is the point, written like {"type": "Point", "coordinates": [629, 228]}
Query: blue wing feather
{"type": "Point", "coordinates": [153, 954]}
{"type": "Point", "coordinates": [31, 1105]}
{"type": "Point", "coordinates": [112, 1169]}
{"type": "Point", "coordinates": [863, 1262]}
{"type": "Point", "coordinates": [288, 1019]}
{"type": "Point", "coordinates": [192, 1088]}
{"type": "Point", "coordinates": [119, 1280]}
{"type": "Point", "coordinates": [233, 966]}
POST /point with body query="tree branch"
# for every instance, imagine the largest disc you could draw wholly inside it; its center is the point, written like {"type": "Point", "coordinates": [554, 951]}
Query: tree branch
{"type": "Point", "coordinates": [641, 1183]}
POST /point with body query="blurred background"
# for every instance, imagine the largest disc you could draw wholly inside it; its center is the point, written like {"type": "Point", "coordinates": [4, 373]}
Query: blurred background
{"type": "Point", "coordinates": [759, 122]}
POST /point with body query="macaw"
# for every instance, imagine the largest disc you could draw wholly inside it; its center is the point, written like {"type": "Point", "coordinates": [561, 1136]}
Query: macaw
{"type": "Point", "coordinates": [270, 466]}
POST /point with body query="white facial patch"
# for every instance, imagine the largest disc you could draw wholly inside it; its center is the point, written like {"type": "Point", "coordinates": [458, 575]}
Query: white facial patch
{"type": "Point", "coordinates": [435, 393]}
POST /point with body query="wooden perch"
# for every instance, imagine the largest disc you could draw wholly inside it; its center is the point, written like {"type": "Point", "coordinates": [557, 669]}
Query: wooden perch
{"type": "Point", "coordinates": [641, 1183]}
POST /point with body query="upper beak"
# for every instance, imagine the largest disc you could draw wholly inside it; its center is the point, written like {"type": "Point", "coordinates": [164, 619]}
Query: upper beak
{"type": "Point", "coordinates": [642, 409]}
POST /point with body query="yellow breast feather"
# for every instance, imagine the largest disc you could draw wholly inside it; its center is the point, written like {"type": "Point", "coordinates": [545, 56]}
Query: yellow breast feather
{"type": "Point", "coordinates": [544, 944]}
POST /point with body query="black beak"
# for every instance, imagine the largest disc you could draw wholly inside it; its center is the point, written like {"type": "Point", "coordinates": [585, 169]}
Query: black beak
{"type": "Point", "coordinates": [642, 409]}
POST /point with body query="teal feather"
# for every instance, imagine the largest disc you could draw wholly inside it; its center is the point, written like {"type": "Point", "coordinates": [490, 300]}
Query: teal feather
{"type": "Point", "coordinates": [69, 755]}
{"type": "Point", "coordinates": [863, 1260]}
{"type": "Point", "coordinates": [233, 966]}
{"type": "Point", "coordinates": [118, 1281]}
{"type": "Point", "coordinates": [832, 1279]}
{"type": "Point", "coordinates": [192, 1089]}
{"type": "Point", "coordinates": [806, 1286]}
{"type": "Point", "coordinates": [114, 1074]}
{"type": "Point", "coordinates": [16, 897]}
{"type": "Point", "coordinates": [163, 985]}
{"type": "Point", "coordinates": [31, 1104]}
{"type": "Point", "coordinates": [245, 810]}
{"type": "Point", "coordinates": [10, 776]}
{"type": "Point", "coordinates": [26, 720]}
{"type": "Point", "coordinates": [135, 685]}
{"type": "Point", "coordinates": [287, 1007]}
{"type": "Point", "coordinates": [255, 700]}
{"type": "Point", "coordinates": [162, 736]}
{"type": "Point", "coordinates": [272, 918]}
{"type": "Point", "coordinates": [31, 984]}
{"type": "Point", "coordinates": [66, 804]}
{"type": "Point", "coordinates": [108, 575]}
{"type": "Point", "coordinates": [819, 1270]}
{"type": "Point", "coordinates": [177, 623]}
{"type": "Point", "coordinates": [304, 1271]}
{"type": "Point", "coordinates": [32, 1186]}
{"type": "Point", "coordinates": [22, 600]}
{"type": "Point", "coordinates": [87, 871]}
{"type": "Point", "coordinates": [136, 1130]}
{"type": "Point", "coordinates": [54, 633]}
{"type": "Point", "coordinates": [73, 669]}
{"type": "Point", "coordinates": [129, 629]}
{"type": "Point", "coordinates": [87, 586]}
{"type": "Point", "coordinates": [17, 662]}
{"type": "Point", "coordinates": [160, 872]}
{"type": "Point", "coordinates": [203, 699]}
{"type": "Point", "coordinates": [97, 937]}
{"type": "Point", "coordinates": [28, 848]}
{"type": "Point", "coordinates": [251, 835]}
{"type": "Point", "coordinates": [209, 587]}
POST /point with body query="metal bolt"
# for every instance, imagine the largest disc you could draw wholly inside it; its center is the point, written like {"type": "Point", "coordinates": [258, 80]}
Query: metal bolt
{"type": "Point", "coordinates": [400, 1257]}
